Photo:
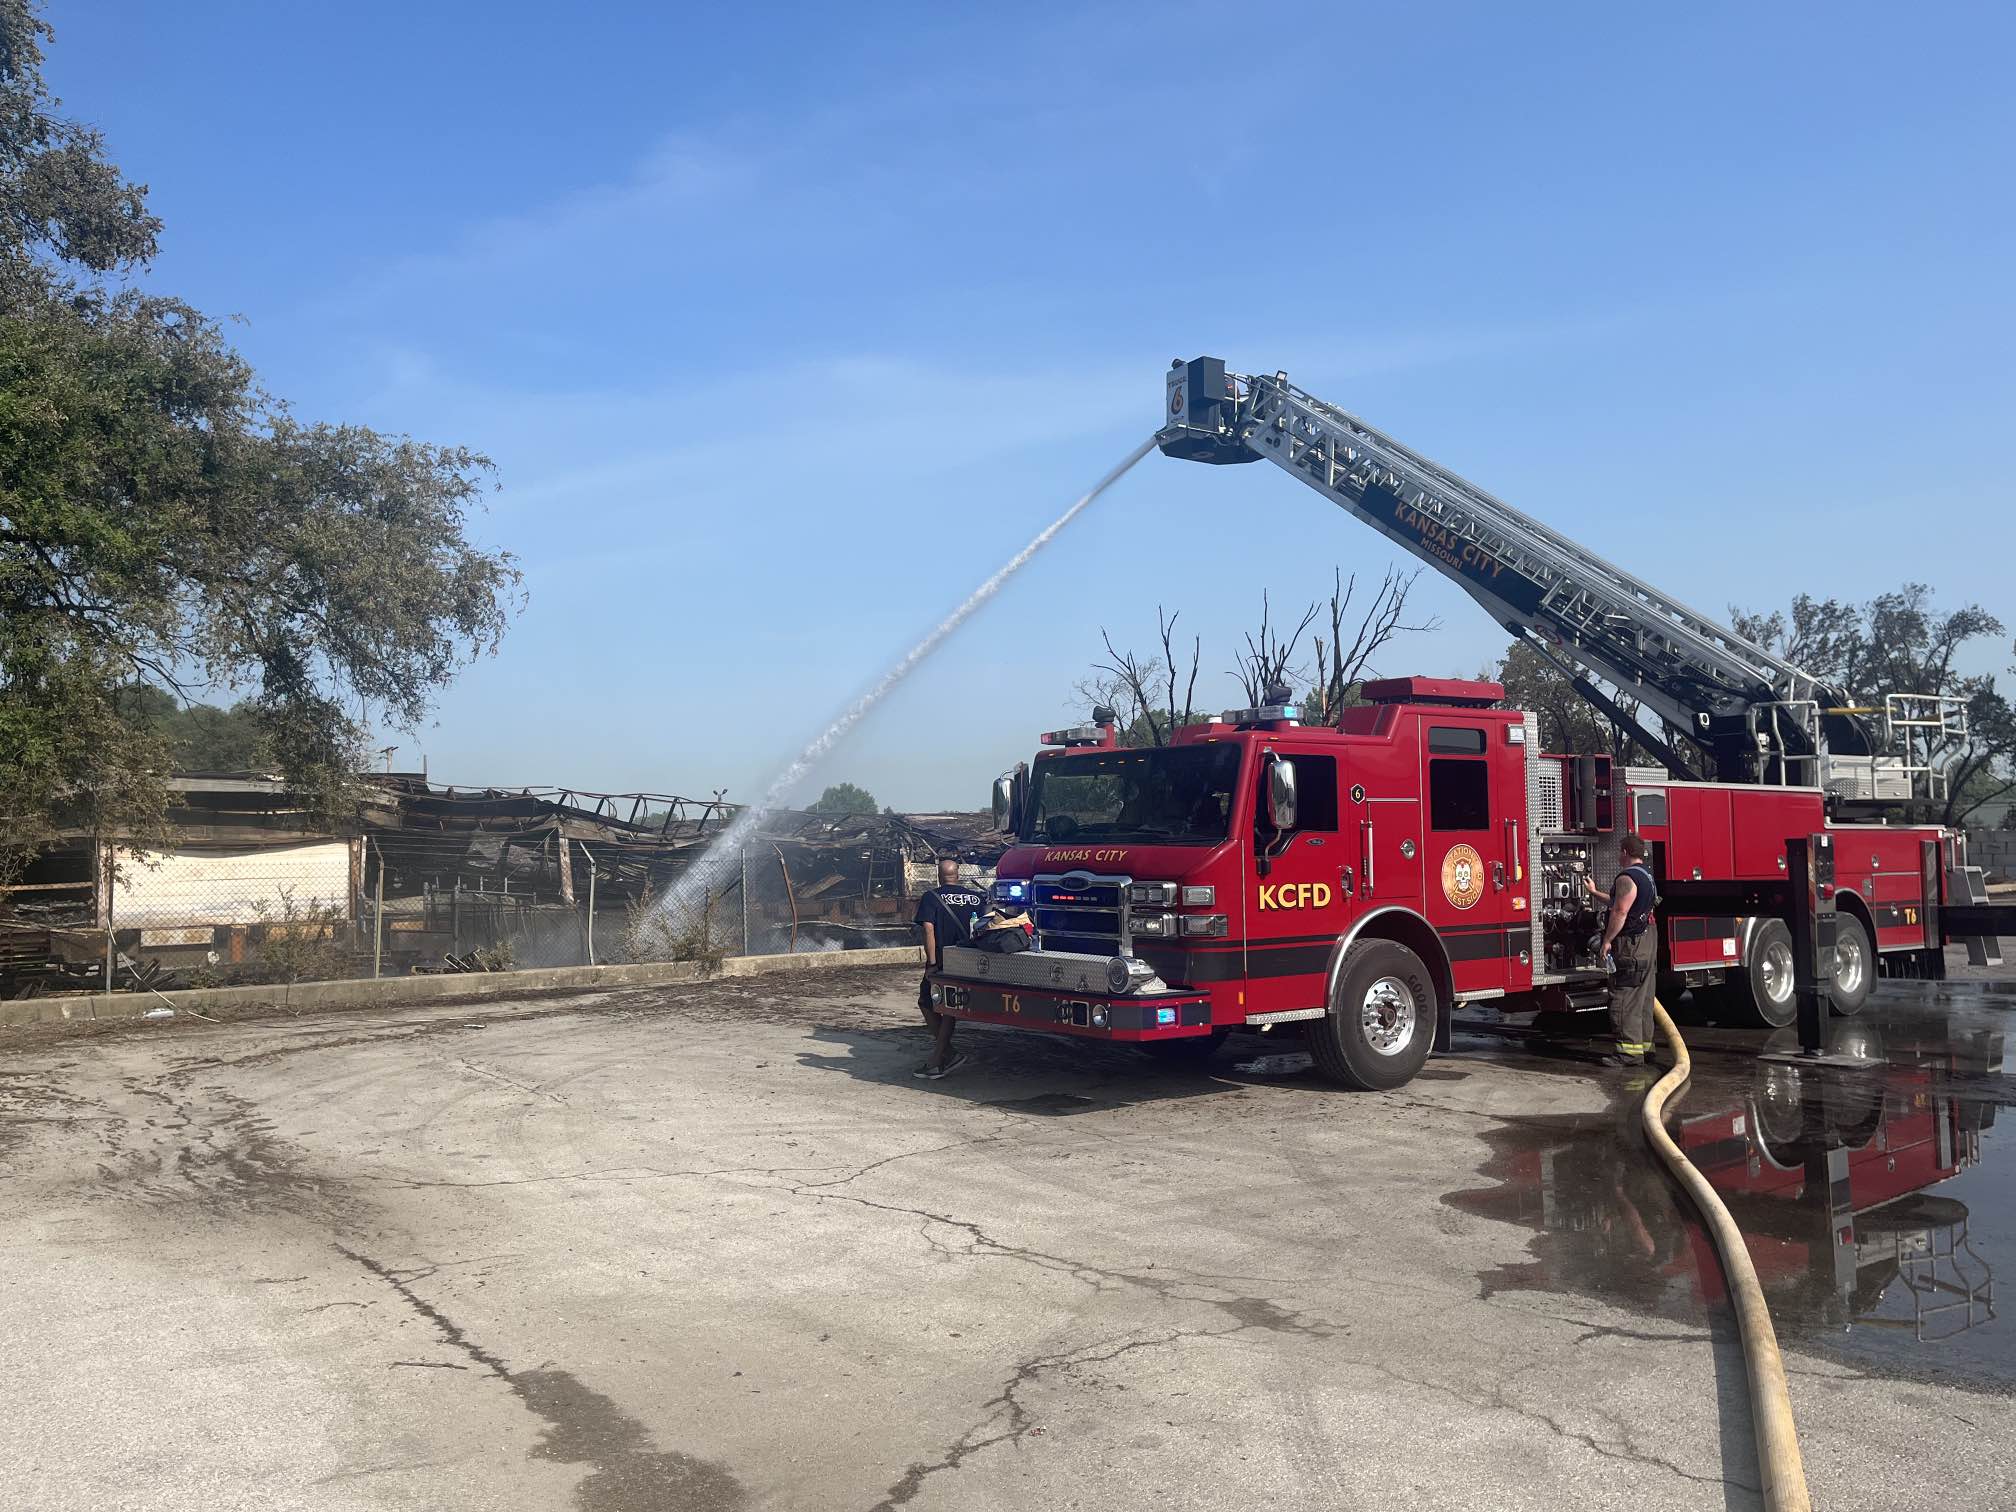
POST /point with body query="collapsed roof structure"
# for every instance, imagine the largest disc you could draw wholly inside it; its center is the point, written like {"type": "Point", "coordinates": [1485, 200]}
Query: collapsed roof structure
{"type": "Point", "coordinates": [453, 869]}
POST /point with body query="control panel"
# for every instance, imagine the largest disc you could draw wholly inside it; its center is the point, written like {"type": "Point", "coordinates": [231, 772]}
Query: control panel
{"type": "Point", "coordinates": [1571, 917]}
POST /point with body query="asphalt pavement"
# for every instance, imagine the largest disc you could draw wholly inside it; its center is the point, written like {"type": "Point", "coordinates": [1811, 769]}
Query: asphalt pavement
{"type": "Point", "coordinates": [713, 1248]}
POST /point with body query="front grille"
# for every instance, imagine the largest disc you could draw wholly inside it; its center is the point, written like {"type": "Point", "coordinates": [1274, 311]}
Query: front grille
{"type": "Point", "coordinates": [1082, 913]}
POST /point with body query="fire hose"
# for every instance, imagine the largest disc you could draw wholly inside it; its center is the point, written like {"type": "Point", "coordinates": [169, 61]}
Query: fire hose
{"type": "Point", "coordinates": [1778, 1460]}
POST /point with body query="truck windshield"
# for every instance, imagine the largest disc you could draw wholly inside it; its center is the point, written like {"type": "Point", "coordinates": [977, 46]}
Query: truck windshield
{"type": "Point", "coordinates": [1175, 793]}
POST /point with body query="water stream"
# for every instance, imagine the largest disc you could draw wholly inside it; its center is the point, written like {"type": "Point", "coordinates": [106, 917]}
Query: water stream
{"type": "Point", "coordinates": [686, 898]}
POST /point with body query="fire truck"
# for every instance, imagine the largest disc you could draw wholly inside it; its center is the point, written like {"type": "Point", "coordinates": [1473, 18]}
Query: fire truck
{"type": "Point", "coordinates": [1360, 881]}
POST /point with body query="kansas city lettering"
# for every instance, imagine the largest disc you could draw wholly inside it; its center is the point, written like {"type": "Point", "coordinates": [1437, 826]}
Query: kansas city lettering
{"type": "Point", "coordinates": [1466, 556]}
{"type": "Point", "coordinates": [1295, 895]}
{"type": "Point", "coordinates": [1085, 855]}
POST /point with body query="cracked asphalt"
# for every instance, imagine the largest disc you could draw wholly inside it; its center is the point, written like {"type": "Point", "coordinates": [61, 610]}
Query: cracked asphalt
{"type": "Point", "coordinates": [714, 1248]}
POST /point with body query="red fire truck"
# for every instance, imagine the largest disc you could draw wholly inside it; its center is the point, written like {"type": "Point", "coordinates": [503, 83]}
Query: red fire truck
{"type": "Point", "coordinates": [1361, 881]}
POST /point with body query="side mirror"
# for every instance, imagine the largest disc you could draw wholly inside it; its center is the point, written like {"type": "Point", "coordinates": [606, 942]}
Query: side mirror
{"type": "Point", "coordinates": [1010, 791]}
{"type": "Point", "coordinates": [1280, 794]}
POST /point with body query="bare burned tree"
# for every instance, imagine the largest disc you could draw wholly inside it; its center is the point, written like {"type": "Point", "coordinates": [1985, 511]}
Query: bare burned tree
{"type": "Point", "coordinates": [1266, 667]}
{"type": "Point", "coordinates": [1128, 677]}
{"type": "Point", "coordinates": [1187, 714]}
{"type": "Point", "coordinates": [1342, 665]}
{"type": "Point", "coordinates": [1156, 695]}
{"type": "Point", "coordinates": [1143, 689]}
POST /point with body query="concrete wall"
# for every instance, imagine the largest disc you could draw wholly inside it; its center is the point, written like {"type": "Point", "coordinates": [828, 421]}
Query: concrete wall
{"type": "Point", "coordinates": [392, 991]}
{"type": "Point", "coordinates": [1994, 851]}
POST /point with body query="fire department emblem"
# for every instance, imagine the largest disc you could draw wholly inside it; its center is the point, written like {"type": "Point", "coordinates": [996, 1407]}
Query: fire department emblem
{"type": "Point", "coordinates": [1462, 876]}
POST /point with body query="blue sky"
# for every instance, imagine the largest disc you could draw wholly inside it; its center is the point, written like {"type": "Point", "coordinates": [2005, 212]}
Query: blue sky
{"type": "Point", "coordinates": [786, 324]}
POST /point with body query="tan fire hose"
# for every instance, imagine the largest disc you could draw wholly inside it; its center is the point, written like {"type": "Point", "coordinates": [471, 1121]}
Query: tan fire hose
{"type": "Point", "coordinates": [1784, 1473]}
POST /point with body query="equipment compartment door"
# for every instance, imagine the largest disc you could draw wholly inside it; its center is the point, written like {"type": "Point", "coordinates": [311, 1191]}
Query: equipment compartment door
{"type": "Point", "coordinates": [1475, 782]}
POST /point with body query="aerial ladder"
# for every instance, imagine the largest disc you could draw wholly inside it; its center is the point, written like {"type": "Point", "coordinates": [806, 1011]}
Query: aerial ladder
{"type": "Point", "coordinates": [1757, 717]}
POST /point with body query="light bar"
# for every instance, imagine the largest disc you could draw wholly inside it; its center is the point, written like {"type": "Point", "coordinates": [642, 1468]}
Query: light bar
{"type": "Point", "coordinates": [1077, 735]}
{"type": "Point", "coordinates": [1266, 714]}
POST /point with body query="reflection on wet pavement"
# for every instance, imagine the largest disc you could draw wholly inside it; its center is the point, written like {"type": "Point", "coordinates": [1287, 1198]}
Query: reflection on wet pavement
{"type": "Point", "coordinates": [1876, 1198]}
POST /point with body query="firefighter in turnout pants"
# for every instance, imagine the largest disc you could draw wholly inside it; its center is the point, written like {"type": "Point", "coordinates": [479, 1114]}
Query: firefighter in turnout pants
{"type": "Point", "coordinates": [1631, 944]}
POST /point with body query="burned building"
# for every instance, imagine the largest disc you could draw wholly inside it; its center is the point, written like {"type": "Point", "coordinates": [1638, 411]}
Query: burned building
{"type": "Point", "coordinates": [249, 887]}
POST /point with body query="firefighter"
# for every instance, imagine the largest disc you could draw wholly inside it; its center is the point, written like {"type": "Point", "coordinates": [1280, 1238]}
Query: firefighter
{"type": "Point", "coordinates": [947, 914]}
{"type": "Point", "coordinates": [1631, 950]}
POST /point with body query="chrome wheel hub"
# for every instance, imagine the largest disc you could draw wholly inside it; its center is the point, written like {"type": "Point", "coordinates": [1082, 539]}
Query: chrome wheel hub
{"type": "Point", "coordinates": [1387, 1016]}
{"type": "Point", "coordinates": [1849, 966]}
{"type": "Point", "coordinates": [1777, 972]}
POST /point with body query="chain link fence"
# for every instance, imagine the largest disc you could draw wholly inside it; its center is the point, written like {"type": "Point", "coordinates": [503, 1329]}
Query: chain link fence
{"type": "Point", "coordinates": [407, 900]}
{"type": "Point", "coordinates": [225, 916]}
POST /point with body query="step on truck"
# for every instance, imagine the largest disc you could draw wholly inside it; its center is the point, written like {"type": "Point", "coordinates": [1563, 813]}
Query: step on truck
{"type": "Point", "coordinates": [1360, 881]}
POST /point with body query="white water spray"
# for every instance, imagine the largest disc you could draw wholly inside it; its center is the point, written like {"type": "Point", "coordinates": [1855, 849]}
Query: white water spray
{"type": "Point", "coordinates": [687, 896]}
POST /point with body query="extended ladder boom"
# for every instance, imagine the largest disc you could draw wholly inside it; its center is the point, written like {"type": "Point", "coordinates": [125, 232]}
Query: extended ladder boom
{"type": "Point", "coordinates": [1761, 716]}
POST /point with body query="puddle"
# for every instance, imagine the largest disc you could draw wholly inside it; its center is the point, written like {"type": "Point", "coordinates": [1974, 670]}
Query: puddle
{"type": "Point", "coordinates": [1878, 1198]}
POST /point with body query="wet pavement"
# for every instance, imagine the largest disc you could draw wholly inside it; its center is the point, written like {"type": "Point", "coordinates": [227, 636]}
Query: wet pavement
{"type": "Point", "coordinates": [1877, 1190]}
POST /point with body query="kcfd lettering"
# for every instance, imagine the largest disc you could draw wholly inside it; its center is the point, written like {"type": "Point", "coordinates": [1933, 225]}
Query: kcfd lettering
{"type": "Point", "coordinates": [1295, 895]}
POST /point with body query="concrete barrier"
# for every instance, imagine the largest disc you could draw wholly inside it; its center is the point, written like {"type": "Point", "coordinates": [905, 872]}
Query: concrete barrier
{"type": "Point", "coordinates": [373, 992]}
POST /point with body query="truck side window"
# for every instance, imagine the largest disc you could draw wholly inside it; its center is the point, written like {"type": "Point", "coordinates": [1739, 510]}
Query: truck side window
{"type": "Point", "coordinates": [1455, 740]}
{"type": "Point", "coordinates": [1315, 795]}
{"type": "Point", "coordinates": [1459, 794]}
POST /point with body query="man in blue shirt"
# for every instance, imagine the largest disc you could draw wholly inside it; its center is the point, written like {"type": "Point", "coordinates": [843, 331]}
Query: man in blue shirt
{"type": "Point", "coordinates": [947, 914]}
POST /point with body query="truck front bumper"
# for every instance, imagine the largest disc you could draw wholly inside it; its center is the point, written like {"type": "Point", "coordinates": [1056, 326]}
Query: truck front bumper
{"type": "Point", "coordinates": [1134, 1017]}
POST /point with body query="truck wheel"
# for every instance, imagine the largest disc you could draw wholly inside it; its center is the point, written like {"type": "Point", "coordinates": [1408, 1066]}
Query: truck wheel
{"type": "Point", "coordinates": [1854, 965]}
{"type": "Point", "coordinates": [1760, 990]}
{"type": "Point", "coordinates": [1193, 1051]}
{"type": "Point", "coordinates": [1381, 1023]}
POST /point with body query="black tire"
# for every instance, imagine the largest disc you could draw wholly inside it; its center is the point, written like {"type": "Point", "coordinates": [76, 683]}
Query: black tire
{"type": "Point", "coordinates": [1854, 965]}
{"type": "Point", "coordinates": [1193, 1051]}
{"type": "Point", "coordinates": [1381, 1024]}
{"type": "Point", "coordinates": [1759, 991]}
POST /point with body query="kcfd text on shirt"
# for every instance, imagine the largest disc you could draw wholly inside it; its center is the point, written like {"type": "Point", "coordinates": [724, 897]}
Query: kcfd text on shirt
{"type": "Point", "coordinates": [952, 911]}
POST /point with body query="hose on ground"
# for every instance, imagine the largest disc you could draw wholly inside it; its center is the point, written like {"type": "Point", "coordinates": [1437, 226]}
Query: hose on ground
{"type": "Point", "coordinates": [1784, 1473]}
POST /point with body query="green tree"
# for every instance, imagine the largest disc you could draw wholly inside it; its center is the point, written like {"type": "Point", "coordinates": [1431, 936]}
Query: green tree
{"type": "Point", "coordinates": [844, 798]}
{"type": "Point", "coordinates": [164, 521]}
{"type": "Point", "coordinates": [1568, 721]}
{"type": "Point", "coordinates": [1901, 643]}
{"type": "Point", "coordinates": [201, 737]}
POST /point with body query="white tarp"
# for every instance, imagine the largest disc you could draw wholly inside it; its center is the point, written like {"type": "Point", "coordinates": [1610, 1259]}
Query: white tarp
{"type": "Point", "coordinates": [164, 889]}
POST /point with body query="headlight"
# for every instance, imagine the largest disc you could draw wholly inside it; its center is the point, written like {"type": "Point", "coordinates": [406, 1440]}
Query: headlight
{"type": "Point", "coordinates": [1124, 973]}
{"type": "Point", "coordinates": [1161, 894]}
{"type": "Point", "coordinates": [1156, 926]}
{"type": "Point", "coordinates": [1211, 925]}
{"type": "Point", "coordinates": [1199, 897]}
